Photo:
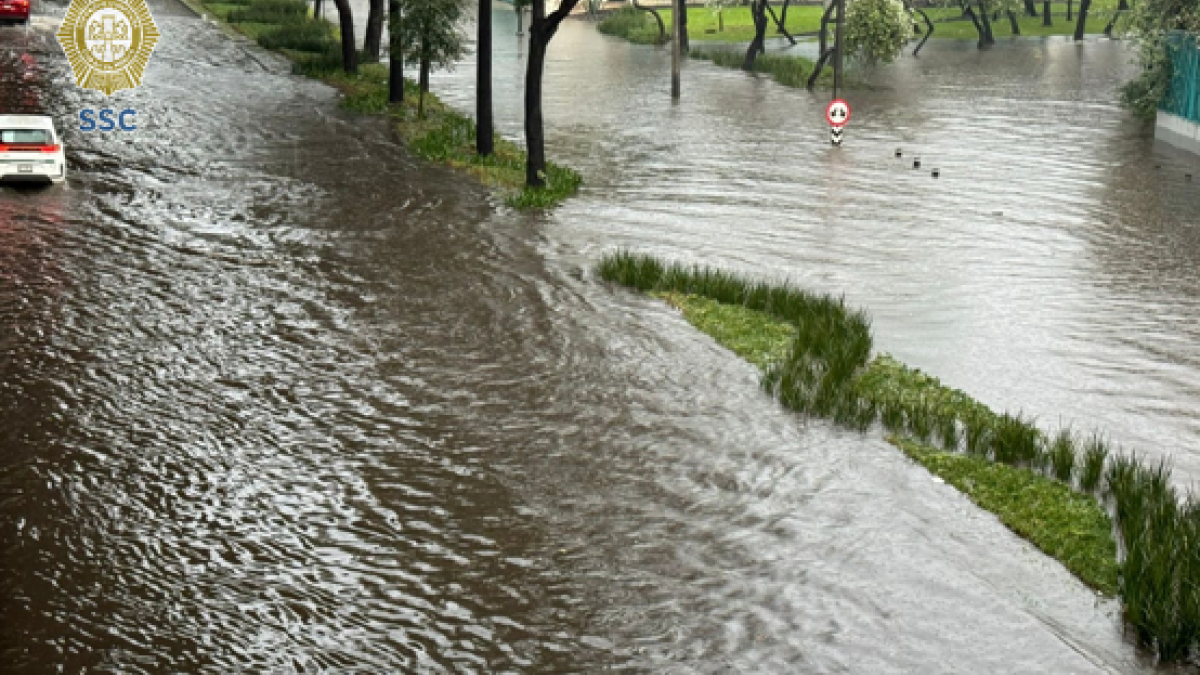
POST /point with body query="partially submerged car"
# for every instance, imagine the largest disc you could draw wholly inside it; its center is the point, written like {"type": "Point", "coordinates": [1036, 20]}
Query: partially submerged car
{"type": "Point", "coordinates": [30, 150]}
{"type": "Point", "coordinates": [14, 12]}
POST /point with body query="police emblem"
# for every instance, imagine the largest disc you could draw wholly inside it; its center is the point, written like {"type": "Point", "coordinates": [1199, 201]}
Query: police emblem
{"type": "Point", "coordinates": [108, 43]}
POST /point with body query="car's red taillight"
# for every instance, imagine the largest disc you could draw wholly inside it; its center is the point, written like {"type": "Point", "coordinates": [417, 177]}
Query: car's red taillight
{"type": "Point", "coordinates": [30, 148]}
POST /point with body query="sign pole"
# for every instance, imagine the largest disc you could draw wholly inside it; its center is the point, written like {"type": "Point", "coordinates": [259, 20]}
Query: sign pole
{"type": "Point", "coordinates": [676, 48]}
{"type": "Point", "coordinates": [839, 40]}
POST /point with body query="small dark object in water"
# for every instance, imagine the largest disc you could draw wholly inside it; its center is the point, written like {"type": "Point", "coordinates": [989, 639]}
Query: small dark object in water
{"type": "Point", "coordinates": [917, 163]}
{"type": "Point", "coordinates": [1187, 176]}
{"type": "Point", "coordinates": [936, 173]}
{"type": "Point", "coordinates": [898, 153]}
{"type": "Point", "coordinates": [1158, 166]}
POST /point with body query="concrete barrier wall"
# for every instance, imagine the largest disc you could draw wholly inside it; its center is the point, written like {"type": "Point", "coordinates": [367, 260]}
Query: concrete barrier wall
{"type": "Point", "coordinates": [1178, 131]}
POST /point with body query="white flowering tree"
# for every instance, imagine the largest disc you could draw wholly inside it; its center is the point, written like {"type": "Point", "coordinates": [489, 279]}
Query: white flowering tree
{"type": "Point", "coordinates": [877, 30]}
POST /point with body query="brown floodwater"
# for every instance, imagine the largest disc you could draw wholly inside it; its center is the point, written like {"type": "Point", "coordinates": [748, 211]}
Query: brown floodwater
{"type": "Point", "coordinates": [276, 397]}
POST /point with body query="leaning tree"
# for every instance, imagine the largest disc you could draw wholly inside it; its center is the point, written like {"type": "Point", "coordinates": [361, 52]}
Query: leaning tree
{"type": "Point", "coordinates": [542, 28]}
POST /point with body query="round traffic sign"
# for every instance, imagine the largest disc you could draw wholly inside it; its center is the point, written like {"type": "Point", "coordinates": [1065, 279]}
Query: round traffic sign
{"type": "Point", "coordinates": [838, 113]}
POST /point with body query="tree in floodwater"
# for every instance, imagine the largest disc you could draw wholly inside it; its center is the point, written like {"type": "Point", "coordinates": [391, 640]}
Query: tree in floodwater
{"type": "Point", "coordinates": [346, 26]}
{"type": "Point", "coordinates": [877, 30]}
{"type": "Point", "coordinates": [395, 54]}
{"type": "Point", "coordinates": [430, 35]}
{"type": "Point", "coordinates": [484, 129]}
{"type": "Point", "coordinates": [758, 13]}
{"type": "Point", "coordinates": [1010, 8]}
{"type": "Point", "coordinates": [1150, 23]}
{"type": "Point", "coordinates": [981, 20]}
{"type": "Point", "coordinates": [373, 41]}
{"type": "Point", "coordinates": [542, 28]}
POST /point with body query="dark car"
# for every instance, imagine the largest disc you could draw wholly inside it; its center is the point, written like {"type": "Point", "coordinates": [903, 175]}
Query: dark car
{"type": "Point", "coordinates": [14, 12]}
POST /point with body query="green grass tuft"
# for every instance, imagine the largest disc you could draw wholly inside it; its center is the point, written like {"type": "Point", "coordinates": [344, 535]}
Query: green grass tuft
{"type": "Point", "coordinates": [1094, 457]}
{"type": "Point", "coordinates": [1062, 456]}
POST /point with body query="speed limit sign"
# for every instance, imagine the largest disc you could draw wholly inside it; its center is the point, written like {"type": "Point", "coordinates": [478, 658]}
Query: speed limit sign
{"type": "Point", "coordinates": [837, 113]}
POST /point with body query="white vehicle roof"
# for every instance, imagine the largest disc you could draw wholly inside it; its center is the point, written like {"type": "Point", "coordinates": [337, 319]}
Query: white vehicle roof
{"type": "Point", "coordinates": [26, 122]}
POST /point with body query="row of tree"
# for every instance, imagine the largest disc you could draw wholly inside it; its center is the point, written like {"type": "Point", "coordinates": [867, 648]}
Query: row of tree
{"type": "Point", "coordinates": [429, 34]}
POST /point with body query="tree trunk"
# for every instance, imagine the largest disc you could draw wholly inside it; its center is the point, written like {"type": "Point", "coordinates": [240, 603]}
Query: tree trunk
{"type": "Point", "coordinates": [677, 45]}
{"type": "Point", "coordinates": [1112, 23]}
{"type": "Point", "coordinates": [662, 27]}
{"type": "Point", "coordinates": [395, 54]}
{"type": "Point", "coordinates": [317, 9]}
{"type": "Point", "coordinates": [1070, 6]}
{"type": "Point", "coordinates": [1030, 9]}
{"type": "Point", "coordinates": [1012, 22]}
{"type": "Point", "coordinates": [484, 144]}
{"type": "Point", "coordinates": [1046, 13]}
{"type": "Point", "coordinates": [374, 38]}
{"type": "Point", "coordinates": [684, 45]}
{"type": "Point", "coordinates": [988, 38]}
{"type": "Point", "coordinates": [535, 139]}
{"type": "Point", "coordinates": [1081, 25]}
{"type": "Point", "coordinates": [758, 12]}
{"type": "Point", "coordinates": [541, 30]}
{"type": "Point", "coordinates": [424, 81]}
{"type": "Point", "coordinates": [970, 14]}
{"type": "Point", "coordinates": [928, 30]}
{"type": "Point", "coordinates": [780, 21]}
{"type": "Point", "coordinates": [346, 22]}
{"type": "Point", "coordinates": [521, 21]}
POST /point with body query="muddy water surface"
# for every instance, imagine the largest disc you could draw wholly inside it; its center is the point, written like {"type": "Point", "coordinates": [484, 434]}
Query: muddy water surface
{"type": "Point", "coordinates": [274, 397]}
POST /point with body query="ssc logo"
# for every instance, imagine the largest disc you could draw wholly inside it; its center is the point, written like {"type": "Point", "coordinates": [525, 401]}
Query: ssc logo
{"type": "Point", "coordinates": [108, 43]}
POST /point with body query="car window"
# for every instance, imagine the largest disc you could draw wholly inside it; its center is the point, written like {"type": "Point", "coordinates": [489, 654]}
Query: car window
{"type": "Point", "coordinates": [40, 136]}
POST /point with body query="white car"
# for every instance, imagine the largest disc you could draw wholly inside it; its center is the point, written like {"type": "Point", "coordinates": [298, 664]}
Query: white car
{"type": "Point", "coordinates": [30, 150]}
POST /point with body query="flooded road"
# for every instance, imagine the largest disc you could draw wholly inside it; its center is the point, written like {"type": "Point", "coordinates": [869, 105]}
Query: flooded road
{"type": "Point", "coordinates": [274, 397]}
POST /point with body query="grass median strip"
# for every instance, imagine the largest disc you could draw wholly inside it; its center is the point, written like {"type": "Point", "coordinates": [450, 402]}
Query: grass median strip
{"type": "Point", "coordinates": [1054, 490]}
{"type": "Point", "coordinates": [442, 135]}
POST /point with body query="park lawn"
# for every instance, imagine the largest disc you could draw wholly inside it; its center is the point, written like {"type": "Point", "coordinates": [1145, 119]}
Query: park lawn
{"type": "Point", "coordinates": [949, 23]}
{"type": "Point", "coordinates": [739, 27]}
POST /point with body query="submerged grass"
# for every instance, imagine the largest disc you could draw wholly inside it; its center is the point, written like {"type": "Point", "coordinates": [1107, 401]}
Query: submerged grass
{"type": "Point", "coordinates": [441, 135]}
{"type": "Point", "coordinates": [755, 336]}
{"type": "Point", "coordinates": [822, 366]}
{"type": "Point", "coordinates": [791, 71]}
{"type": "Point", "coordinates": [632, 24]}
{"type": "Point", "coordinates": [1067, 526]}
